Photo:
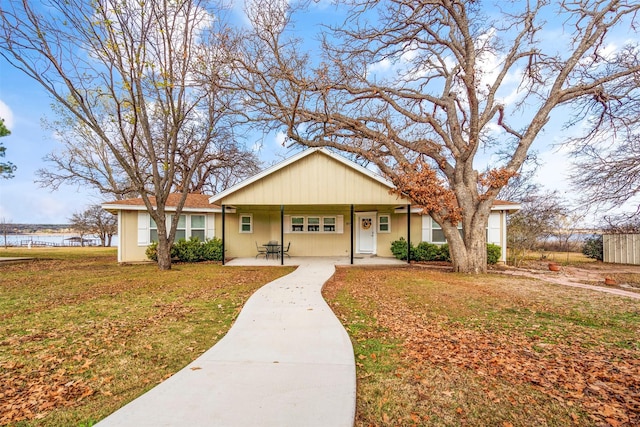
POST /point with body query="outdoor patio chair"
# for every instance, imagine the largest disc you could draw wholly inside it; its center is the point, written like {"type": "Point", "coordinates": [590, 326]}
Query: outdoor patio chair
{"type": "Point", "coordinates": [286, 251]}
{"type": "Point", "coordinates": [261, 250]}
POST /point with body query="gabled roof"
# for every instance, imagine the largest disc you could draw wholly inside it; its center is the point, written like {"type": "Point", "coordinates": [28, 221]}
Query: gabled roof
{"type": "Point", "coordinates": [299, 156]}
{"type": "Point", "coordinates": [193, 203]}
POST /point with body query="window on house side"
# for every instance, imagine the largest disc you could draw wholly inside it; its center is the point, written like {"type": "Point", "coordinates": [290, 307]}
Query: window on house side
{"type": "Point", "coordinates": [297, 223]}
{"type": "Point", "coordinates": [246, 223]}
{"type": "Point", "coordinates": [384, 224]}
{"type": "Point", "coordinates": [313, 223]}
{"type": "Point", "coordinates": [198, 227]}
{"type": "Point", "coordinates": [153, 230]}
{"type": "Point", "coordinates": [329, 223]}
{"type": "Point", "coordinates": [181, 229]}
{"type": "Point", "coordinates": [437, 235]}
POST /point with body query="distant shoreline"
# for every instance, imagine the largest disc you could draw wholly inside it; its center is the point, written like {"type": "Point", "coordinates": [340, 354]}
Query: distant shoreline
{"type": "Point", "coordinates": [40, 229]}
{"type": "Point", "coordinates": [42, 233]}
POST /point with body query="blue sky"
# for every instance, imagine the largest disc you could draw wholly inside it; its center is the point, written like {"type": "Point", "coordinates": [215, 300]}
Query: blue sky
{"type": "Point", "coordinates": [23, 104]}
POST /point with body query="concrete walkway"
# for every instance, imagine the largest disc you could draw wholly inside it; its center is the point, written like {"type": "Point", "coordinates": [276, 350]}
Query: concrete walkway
{"type": "Point", "coordinates": [287, 361]}
{"type": "Point", "coordinates": [571, 279]}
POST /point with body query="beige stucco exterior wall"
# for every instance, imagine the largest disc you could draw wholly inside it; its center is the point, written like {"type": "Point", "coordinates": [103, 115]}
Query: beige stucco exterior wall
{"type": "Point", "coordinates": [128, 249]}
{"type": "Point", "coordinates": [317, 179]}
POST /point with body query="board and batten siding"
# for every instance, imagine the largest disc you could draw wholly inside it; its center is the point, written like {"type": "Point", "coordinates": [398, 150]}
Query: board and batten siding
{"type": "Point", "coordinates": [621, 248]}
{"type": "Point", "coordinates": [317, 179]}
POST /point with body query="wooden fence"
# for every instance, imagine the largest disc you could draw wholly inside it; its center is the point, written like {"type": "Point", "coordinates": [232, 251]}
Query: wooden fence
{"type": "Point", "coordinates": [621, 248]}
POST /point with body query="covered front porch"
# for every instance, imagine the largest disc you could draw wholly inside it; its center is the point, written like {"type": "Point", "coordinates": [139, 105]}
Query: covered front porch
{"type": "Point", "coordinates": [348, 232]}
{"type": "Point", "coordinates": [322, 203]}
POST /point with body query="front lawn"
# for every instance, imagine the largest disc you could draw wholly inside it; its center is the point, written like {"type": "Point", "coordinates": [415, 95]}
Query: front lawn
{"type": "Point", "coordinates": [442, 349]}
{"type": "Point", "coordinates": [80, 336]}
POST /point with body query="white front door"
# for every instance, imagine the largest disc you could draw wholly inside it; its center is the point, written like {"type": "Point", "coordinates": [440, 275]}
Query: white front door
{"type": "Point", "coordinates": [366, 235]}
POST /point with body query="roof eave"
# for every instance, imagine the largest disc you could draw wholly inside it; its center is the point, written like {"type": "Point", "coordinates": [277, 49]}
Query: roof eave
{"type": "Point", "coordinates": [115, 208]}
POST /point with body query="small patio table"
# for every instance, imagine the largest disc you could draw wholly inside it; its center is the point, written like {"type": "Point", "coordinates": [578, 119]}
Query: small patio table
{"type": "Point", "coordinates": [273, 249]}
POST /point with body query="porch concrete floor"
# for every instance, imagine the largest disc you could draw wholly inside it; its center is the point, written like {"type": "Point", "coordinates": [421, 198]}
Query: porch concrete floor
{"type": "Point", "coordinates": [357, 261]}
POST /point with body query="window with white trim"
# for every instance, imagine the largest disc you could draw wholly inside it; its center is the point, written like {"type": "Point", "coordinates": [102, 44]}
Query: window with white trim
{"type": "Point", "coordinates": [188, 226]}
{"type": "Point", "coordinates": [181, 229]}
{"type": "Point", "coordinates": [384, 224]}
{"type": "Point", "coordinates": [313, 224]}
{"type": "Point", "coordinates": [297, 223]}
{"type": "Point", "coordinates": [437, 235]}
{"type": "Point", "coordinates": [329, 224]}
{"type": "Point", "coordinates": [153, 230]}
{"type": "Point", "coordinates": [246, 223]}
{"type": "Point", "coordinates": [198, 228]}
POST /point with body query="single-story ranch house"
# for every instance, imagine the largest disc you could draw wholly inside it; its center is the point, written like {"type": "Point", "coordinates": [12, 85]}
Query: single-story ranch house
{"type": "Point", "coordinates": [320, 203]}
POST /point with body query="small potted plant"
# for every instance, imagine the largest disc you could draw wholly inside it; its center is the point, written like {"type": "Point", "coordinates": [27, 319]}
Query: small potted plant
{"type": "Point", "coordinates": [553, 266]}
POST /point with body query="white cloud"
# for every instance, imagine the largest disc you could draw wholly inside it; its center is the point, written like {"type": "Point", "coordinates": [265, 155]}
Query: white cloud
{"type": "Point", "coordinates": [381, 66]}
{"type": "Point", "coordinates": [280, 138]}
{"type": "Point", "coordinates": [6, 114]}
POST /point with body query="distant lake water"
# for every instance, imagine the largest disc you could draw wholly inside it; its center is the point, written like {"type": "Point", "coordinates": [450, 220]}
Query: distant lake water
{"type": "Point", "coordinates": [55, 239]}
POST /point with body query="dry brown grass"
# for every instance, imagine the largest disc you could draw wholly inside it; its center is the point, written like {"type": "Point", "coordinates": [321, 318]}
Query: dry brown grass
{"type": "Point", "coordinates": [81, 336]}
{"type": "Point", "coordinates": [441, 349]}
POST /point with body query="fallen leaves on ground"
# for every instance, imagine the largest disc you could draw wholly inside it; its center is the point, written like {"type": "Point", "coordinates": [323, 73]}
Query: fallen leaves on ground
{"type": "Point", "coordinates": [87, 334]}
{"type": "Point", "coordinates": [604, 381]}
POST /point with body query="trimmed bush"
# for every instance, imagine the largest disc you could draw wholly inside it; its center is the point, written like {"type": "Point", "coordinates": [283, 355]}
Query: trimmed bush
{"type": "Point", "coordinates": [592, 248]}
{"type": "Point", "coordinates": [399, 249]}
{"type": "Point", "coordinates": [212, 249]}
{"type": "Point", "coordinates": [187, 250]}
{"type": "Point", "coordinates": [152, 251]}
{"type": "Point", "coordinates": [493, 253]}
{"type": "Point", "coordinates": [426, 251]}
{"type": "Point", "coordinates": [444, 253]}
{"type": "Point", "coordinates": [192, 250]}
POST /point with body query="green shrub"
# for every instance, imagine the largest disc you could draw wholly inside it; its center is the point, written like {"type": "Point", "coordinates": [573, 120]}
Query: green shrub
{"type": "Point", "coordinates": [192, 250]}
{"type": "Point", "coordinates": [444, 253]}
{"type": "Point", "coordinates": [399, 249]}
{"type": "Point", "coordinates": [187, 250]}
{"type": "Point", "coordinates": [592, 248]}
{"type": "Point", "coordinates": [426, 251]}
{"type": "Point", "coordinates": [493, 253]}
{"type": "Point", "coordinates": [152, 251]}
{"type": "Point", "coordinates": [212, 250]}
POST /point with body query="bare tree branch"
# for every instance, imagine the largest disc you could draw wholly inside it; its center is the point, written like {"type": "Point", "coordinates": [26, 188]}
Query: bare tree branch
{"type": "Point", "coordinates": [451, 68]}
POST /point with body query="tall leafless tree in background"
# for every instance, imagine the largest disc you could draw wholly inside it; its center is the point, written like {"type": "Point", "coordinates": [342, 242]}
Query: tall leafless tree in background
{"type": "Point", "coordinates": [143, 77]}
{"type": "Point", "coordinates": [85, 160]}
{"type": "Point", "coordinates": [95, 220]}
{"type": "Point", "coordinates": [607, 167]}
{"type": "Point", "coordinates": [453, 65]}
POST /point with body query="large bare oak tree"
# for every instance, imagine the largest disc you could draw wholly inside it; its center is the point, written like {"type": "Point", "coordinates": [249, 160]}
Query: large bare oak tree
{"type": "Point", "coordinates": [143, 77]}
{"type": "Point", "coordinates": [427, 89]}
{"type": "Point", "coordinates": [85, 160]}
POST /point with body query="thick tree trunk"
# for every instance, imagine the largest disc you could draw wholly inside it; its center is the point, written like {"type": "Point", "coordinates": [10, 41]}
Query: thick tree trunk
{"type": "Point", "coordinates": [164, 255]}
{"type": "Point", "coordinates": [468, 254]}
{"type": "Point", "coordinates": [164, 247]}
